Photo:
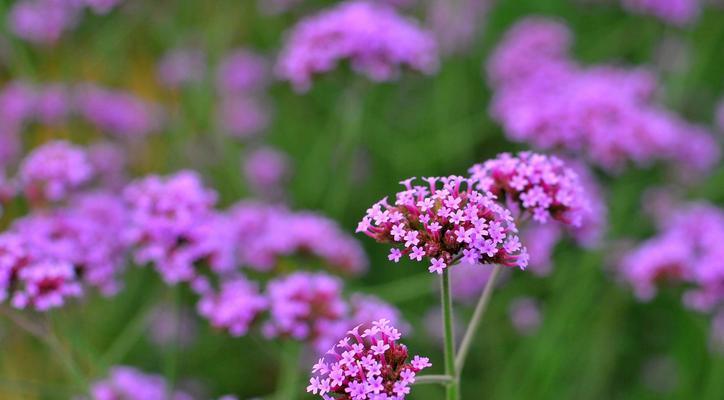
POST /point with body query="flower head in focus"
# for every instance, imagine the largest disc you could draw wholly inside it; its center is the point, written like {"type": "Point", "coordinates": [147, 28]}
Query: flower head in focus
{"type": "Point", "coordinates": [367, 364]}
{"type": "Point", "coordinates": [443, 222]}
{"type": "Point", "coordinates": [373, 37]}
{"type": "Point", "coordinates": [534, 184]}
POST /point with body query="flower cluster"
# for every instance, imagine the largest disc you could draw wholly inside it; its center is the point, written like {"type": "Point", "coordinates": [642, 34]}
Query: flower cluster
{"type": "Point", "coordinates": [48, 256]}
{"type": "Point", "coordinates": [373, 37]}
{"type": "Point", "coordinates": [117, 112]}
{"type": "Point", "coordinates": [129, 383]}
{"type": "Point", "coordinates": [367, 364]}
{"type": "Point", "coordinates": [545, 98]}
{"type": "Point", "coordinates": [687, 250]}
{"type": "Point", "coordinates": [306, 307]}
{"type": "Point", "coordinates": [170, 220]}
{"type": "Point", "coordinates": [52, 171]}
{"type": "Point", "coordinates": [445, 225]}
{"type": "Point", "coordinates": [235, 307]}
{"type": "Point", "coordinates": [535, 184]}
{"type": "Point", "coordinates": [44, 21]}
{"type": "Point", "coordinates": [271, 233]}
{"type": "Point", "coordinates": [675, 12]}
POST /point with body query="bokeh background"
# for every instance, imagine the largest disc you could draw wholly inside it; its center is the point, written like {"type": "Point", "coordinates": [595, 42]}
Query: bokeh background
{"type": "Point", "coordinates": [595, 339]}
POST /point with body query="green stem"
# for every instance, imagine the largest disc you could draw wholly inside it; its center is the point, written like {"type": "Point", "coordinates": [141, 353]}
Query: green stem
{"type": "Point", "coordinates": [288, 382]}
{"type": "Point", "coordinates": [434, 379]}
{"type": "Point", "coordinates": [475, 321]}
{"type": "Point", "coordinates": [447, 316]}
{"type": "Point", "coordinates": [46, 337]}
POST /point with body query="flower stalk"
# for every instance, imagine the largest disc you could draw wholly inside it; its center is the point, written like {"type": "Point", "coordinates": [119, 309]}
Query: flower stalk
{"type": "Point", "coordinates": [452, 392]}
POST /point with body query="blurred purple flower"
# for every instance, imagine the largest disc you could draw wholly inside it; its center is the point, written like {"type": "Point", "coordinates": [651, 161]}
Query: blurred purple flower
{"type": "Point", "coordinates": [42, 21]}
{"type": "Point", "coordinates": [468, 280]}
{"type": "Point", "coordinates": [166, 212]}
{"type": "Point", "coordinates": [17, 104]}
{"type": "Point", "coordinates": [367, 308]}
{"type": "Point", "coordinates": [544, 98]}
{"type": "Point", "coordinates": [45, 284]}
{"type": "Point", "coordinates": [368, 360]}
{"type": "Point", "coordinates": [525, 315]}
{"type": "Point", "coordinates": [243, 117]}
{"type": "Point", "coordinates": [373, 37]}
{"type": "Point", "coordinates": [271, 233]}
{"type": "Point", "coordinates": [109, 163]}
{"type": "Point", "coordinates": [181, 66]}
{"type": "Point", "coordinates": [52, 104]}
{"type": "Point", "coordinates": [306, 307]}
{"type": "Point", "coordinates": [52, 171]}
{"type": "Point", "coordinates": [117, 112]}
{"type": "Point", "coordinates": [128, 383]}
{"type": "Point", "coordinates": [266, 170]}
{"type": "Point", "coordinates": [540, 241]}
{"type": "Point", "coordinates": [675, 12]}
{"type": "Point", "coordinates": [242, 72]}
{"type": "Point", "coordinates": [235, 307]}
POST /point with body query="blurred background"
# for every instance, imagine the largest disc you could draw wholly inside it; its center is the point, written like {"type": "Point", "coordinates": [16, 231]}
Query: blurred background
{"type": "Point", "coordinates": [577, 332]}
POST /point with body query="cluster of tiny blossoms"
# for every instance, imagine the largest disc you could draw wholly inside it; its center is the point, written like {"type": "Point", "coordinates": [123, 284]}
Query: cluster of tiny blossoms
{"type": "Point", "coordinates": [445, 225]}
{"type": "Point", "coordinates": [543, 97]}
{"type": "Point", "coordinates": [687, 250]}
{"type": "Point", "coordinates": [367, 364]}
{"type": "Point", "coordinates": [373, 37]}
{"type": "Point", "coordinates": [536, 184]}
{"type": "Point", "coordinates": [676, 12]}
{"type": "Point", "coordinates": [53, 170]}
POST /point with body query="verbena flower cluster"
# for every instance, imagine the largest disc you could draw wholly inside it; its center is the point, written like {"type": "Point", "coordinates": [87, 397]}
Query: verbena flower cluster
{"type": "Point", "coordinates": [687, 250]}
{"type": "Point", "coordinates": [545, 98]}
{"type": "Point", "coordinates": [272, 234]}
{"type": "Point", "coordinates": [53, 170]}
{"type": "Point", "coordinates": [534, 185]}
{"type": "Point", "coordinates": [44, 21]}
{"type": "Point", "coordinates": [375, 40]}
{"type": "Point", "coordinates": [114, 112]}
{"type": "Point", "coordinates": [367, 364]}
{"type": "Point", "coordinates": [675, 12]}
{"type": "Point", "coordinates": [443, 222]}
{"type": "Point", "coordinates": [128, 383]}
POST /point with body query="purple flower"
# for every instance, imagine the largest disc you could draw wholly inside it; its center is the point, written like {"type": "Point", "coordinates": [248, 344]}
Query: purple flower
{"type": "Point", "coordinates": [367, 363]}
{"type": "Point", "coordinates": [117, 112]}
{"type": "Point", "coordinates": [675, 12]}
{"type": "Point", "coordinates": [109, 163]}
{"type": "Point", "coordinates": [539, 185]}
{"type": "Point", "coordinates": [52, 104]}
{"type": "Point", "coordinates": [454, 208]}
{"type": "Point", "coordinates": [272, 233]}
{"type": "Point", "coordinates": [685, 251]}
{"type": "Point", "coordinates": [242, 72]}
{"type": "Point", "coordinates": [166, 216]}
{"type": "Point", "coordinates": [17, 105]}
{"type": "Point", "coordinates": [544, 97]}
{"type": "Point", "coordinates": [45, 284]}
{"type": "Point", "coordinates": [306, 307]}
{"type": "Point", "coordinates": [182, 66]}
{"type": "Point", "coordinates": [13, 257]}
{"type": "Point", "coordinates": [525, 315]}
{"type": "Point", "coordinates": [468, 280]}
{"type": "Point", "coordinates": [84, 235]}
{"type": "Point", "coordinates": [235, 307]}
{"type": "Point", "coordinates": [53, 170]}
{"type": "Point", "coordinates": [242, 116]}
{"type": "Point", "coordinates": [266, 169]}
{"type": "Point", "coordinates": [373, 37]}
{"type": "Point", "coordinates": [41, 21]}
{"type": "Point", "coordinates": [131, 384]}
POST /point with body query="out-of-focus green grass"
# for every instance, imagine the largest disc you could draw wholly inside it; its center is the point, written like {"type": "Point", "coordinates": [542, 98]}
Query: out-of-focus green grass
{"type": "Point", "coordinates": [595, 340]}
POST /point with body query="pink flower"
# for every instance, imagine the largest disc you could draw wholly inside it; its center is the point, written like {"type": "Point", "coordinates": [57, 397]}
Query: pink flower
{"type": "Point", "coordinates": [367, 364]}
{"type": "Point", "coordinates": [235, 307]}
{"type": "Point", "coordinates": [53, 170]}
{"type": "Point", "coordinates": [373, 37]}
{"type": "Point", "coordinates": [487, 227]}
